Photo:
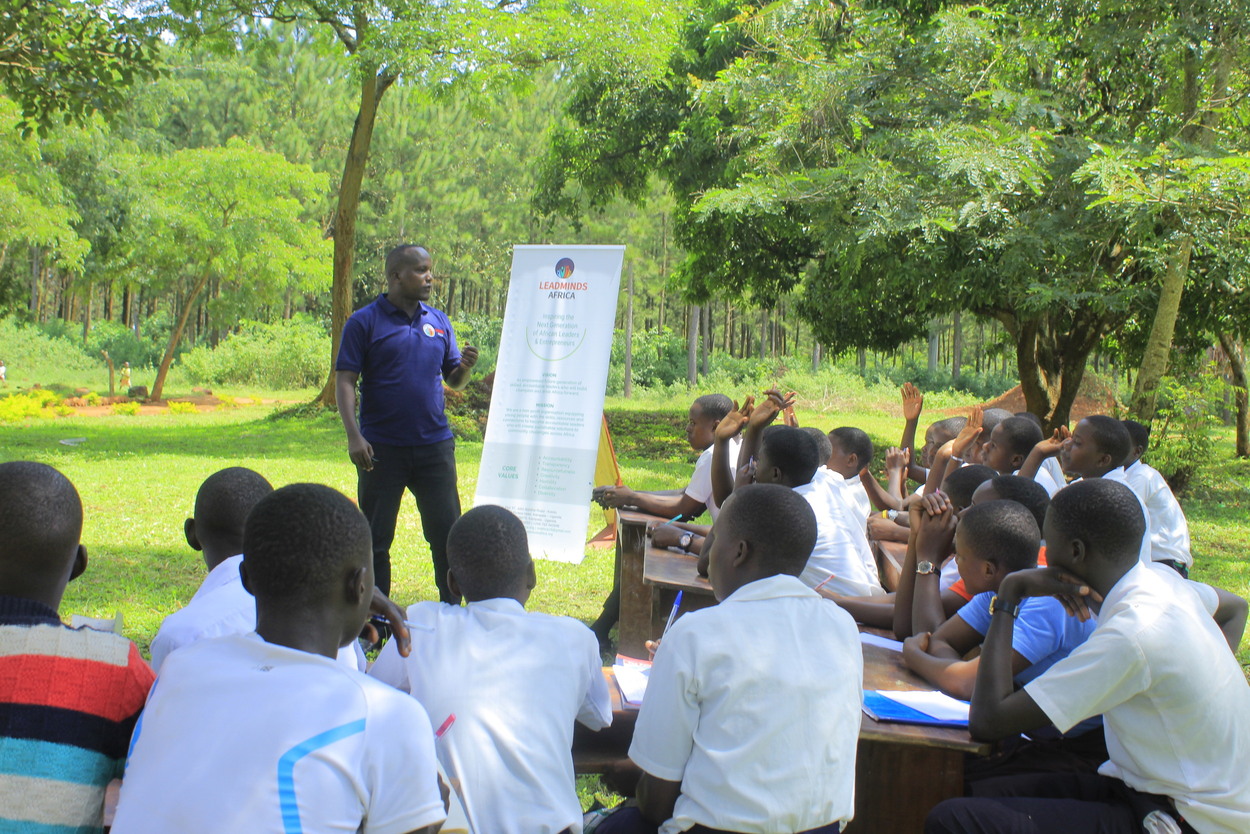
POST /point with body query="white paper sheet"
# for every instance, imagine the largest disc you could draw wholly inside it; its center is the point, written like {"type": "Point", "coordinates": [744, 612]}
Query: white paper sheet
{"type": "Point", "coordinates": [882, 642]}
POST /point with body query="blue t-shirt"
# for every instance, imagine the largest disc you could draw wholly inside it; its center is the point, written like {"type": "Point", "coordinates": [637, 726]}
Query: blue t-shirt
{"type": "Point", "coordinates": [402, 363]}
{"type": "Point", "coordinates": [1044, 633]}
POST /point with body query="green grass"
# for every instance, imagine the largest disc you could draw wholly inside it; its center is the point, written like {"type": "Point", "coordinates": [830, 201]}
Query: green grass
{"type": "Point", "coordinates": [138, 477]}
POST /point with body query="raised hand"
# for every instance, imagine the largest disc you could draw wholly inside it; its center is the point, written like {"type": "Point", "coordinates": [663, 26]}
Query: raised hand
{"type": "Point", "coordinates": [913, 401]}
{"type": "Point", "coordinates": [897, 459]}
{"type": "Point", "coordinates": [969, 433]}
{"type": "Point", "coordinates": [937, 529]}
{"type": "Point", "coordinates": [733, 422]}
{"type": "Point", "coordinates": [1051, 446]}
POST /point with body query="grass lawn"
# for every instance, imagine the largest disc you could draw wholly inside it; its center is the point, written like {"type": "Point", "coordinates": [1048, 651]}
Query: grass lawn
{"type": "Point", "coordinates": [138, 477]}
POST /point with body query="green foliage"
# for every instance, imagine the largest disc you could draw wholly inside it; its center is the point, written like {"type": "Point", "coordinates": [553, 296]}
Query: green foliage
{"type": "Point", "coordinates": [1182, 441]}
{"type": "Point", "coordinates": [285, 354]}
{"type": "Point", "coordinates": [182, 408]}
{"type": "Point", "coordinates": [31, 354]}
{"type": "Point", "coordinates": [125, 409]}
{"type": "Point", "coordinates": [92, 398]}
{"type": "Point", "coordinates": [65, 59]}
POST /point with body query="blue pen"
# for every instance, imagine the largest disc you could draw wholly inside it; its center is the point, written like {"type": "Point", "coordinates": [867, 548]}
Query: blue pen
{"type": "Point", "coordinates": [674, 518]}
{"type": "Point", "coordinates": [672, 615]}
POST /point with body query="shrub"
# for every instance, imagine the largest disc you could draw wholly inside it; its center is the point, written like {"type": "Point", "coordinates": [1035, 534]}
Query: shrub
{"type": "Point", "coordinates": [92, 399]}
{"type": "Point", "coordinates": [285, 354]}
{"type": "Point", "coordinates": [183, 408]}
{"type": "Point", "coordinates": [33, 354]}
{"type": "Point", "coordinates": [227, 401]}
{"type": "Point", "coordinates": [63, 410]}
{"type": "Point", "coordinates": [20, 407]}
{"type": "Point", "coordinates": [126, 409]}
{"type": "Point", "coordinates": [1186, 412]}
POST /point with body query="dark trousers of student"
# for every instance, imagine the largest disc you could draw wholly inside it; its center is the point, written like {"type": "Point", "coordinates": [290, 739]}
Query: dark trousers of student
{"type": "Point", "coordinates": [429, 473]}
{"type": "Point", "coordinates": [630, 821]}
{"type": "Point", "coordinates": [1062, 803]}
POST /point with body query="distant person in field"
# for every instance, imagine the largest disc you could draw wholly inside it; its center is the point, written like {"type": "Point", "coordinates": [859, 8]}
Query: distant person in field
{"type": "Point", "coordinates": [4, 374]}
{"type": "Point", "coordinates": [125, 382]}
{"type": "Point", "coordinates": [69, 697]}
{"type": "Point", "coordinates": [402, 351]}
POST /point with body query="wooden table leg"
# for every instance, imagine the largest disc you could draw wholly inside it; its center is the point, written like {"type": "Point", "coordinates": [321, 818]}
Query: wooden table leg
{"type": "Point", "coordinates": [896, 785]}
{"type": "Point", "coordinates": [635, 623]}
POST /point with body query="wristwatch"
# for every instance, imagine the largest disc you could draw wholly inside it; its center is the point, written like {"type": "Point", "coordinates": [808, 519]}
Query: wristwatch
{"type": "Point", "coordinates": [686, 539]}
{"type": "Point", "coordinates": [1012, 608]}
{"type": "Point", "coordinates": [924, 567]}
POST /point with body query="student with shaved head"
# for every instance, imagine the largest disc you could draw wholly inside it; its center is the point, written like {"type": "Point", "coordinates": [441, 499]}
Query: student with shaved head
{"type": "Point", "coordinates": [752, 713]}
{"type": "Point", "coordinates": [266, 732]}
{"type": "Point", "coordinates": [503, 686]}
{"type": "Point", "coordinates": [69, 698]}
{"type": "Point", "coordinates": [1173, 698]}
{"type": "Point", "coordinates": [222, 605]}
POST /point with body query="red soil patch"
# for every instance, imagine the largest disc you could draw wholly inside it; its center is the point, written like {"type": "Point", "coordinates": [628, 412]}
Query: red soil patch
{"type": "Point", "coordinates": [1090, 400]}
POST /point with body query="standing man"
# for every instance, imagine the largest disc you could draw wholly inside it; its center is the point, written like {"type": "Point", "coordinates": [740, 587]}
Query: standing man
{"type": "Point", "coordinates": [402, 351]}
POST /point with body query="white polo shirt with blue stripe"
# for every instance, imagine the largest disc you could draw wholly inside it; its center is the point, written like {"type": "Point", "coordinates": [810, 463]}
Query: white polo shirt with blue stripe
{"type": "Point", "coordinates": [243, 735]}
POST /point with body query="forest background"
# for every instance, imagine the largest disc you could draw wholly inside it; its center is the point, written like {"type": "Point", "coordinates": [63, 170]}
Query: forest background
{"type": "Point", "coordinates": [835, 197]}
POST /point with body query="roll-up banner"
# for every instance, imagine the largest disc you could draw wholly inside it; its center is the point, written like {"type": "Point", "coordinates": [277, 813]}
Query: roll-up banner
{"type": "Point", "coordinates": [542, 436]}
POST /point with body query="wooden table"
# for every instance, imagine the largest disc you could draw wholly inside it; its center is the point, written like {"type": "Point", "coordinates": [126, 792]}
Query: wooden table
{"type": "Point", "coordinates": [631, 549]}
{"type": "Point", "coordinates": [901, 770]}
{"type": "Point", "coordinates": [649, 580]}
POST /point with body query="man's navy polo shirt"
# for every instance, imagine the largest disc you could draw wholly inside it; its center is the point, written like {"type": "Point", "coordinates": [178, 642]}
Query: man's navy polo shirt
{"type": "Point", "coordinates": [402, 363]}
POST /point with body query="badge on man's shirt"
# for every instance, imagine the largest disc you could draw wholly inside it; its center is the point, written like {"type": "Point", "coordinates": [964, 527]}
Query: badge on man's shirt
{"type": "Point", "coordinates": [430, 330]}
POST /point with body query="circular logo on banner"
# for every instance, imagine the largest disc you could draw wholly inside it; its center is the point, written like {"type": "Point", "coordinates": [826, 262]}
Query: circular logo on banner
{"type": "Point", "coordinates": [428, 330]}
{"type": "Point", "coordinates": [564, 269]}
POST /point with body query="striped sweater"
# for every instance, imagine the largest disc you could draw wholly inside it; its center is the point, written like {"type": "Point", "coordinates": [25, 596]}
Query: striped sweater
{"type": "Point", "coordinates": [69, 699]}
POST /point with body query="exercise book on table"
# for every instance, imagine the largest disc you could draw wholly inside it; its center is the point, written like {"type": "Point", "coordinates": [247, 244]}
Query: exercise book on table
{"type": "Point", "coordinates": [631, 676]}
{"type": "Point", "coordinates": [915, 707]}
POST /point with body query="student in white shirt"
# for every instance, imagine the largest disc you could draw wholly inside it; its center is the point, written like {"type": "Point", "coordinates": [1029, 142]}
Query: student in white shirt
{"type": "Point", "coordinates": [1009, 445]}
{"type": "Point", "coordinates": [502, 685]}
{"type": "Point", "coordinates": [840, 560]}
{"type": "Point", "coordinates": [1169, 531]}
{"type": "Point", "coordinates": [751, 718]}
{"type": "Point", "coordinates": [1173, 699]}
{"type": "Point", "coordinates": [851, 453]}
{"type": "Point", "coordinates": [705, 413]}
{"type": "Point", "coordinates": [222, 605]}
{"type": "Point", "coordinates": [265, 732]}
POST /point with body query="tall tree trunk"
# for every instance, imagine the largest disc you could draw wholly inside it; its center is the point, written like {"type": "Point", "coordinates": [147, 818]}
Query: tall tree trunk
{"type": "Point", "coordinates": [935, 344]}
{"type": "Point", "coordinates": [629, 335]}
{"type": "Point", "coordinates": [957, 346]}
{"type": "Point", "coordinates": [86, 315]}
{"type": "Point", "coordinates": [1241, 392]}
{"type": "Point", "coordinates": [127, 303]}
{"type": "Point", "coordinates": [371, 89]}
{"type": "Point", "coordinates": [175, 336]}
{"type": "Point", "coordinates": [692, 346]}
{"type": "Point", "coordinates": [1154, 363]}
{"type": "Point", "coordinates": [706, 347]}
{"type": "Point", "coordinates": [816, 351]}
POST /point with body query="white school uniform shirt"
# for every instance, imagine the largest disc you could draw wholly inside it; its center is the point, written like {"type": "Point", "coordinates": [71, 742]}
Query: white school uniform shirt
{"type": "Point", "coordinates": [1053, 468]}
{"type": "Point", "coordinates": [222, 606]}
{"type": "Point", "coordinates": [244, 735]}
{"type": "Point", "coordinates": [848, 492]}
{"type": "Point", "coordinates": [700, 486]}
{"type": "Point", "coordinates": [515, 681]}
{"type": "Point", "coordinates": [840, 559]}
{"type": "Point", "coordinates": [1169, 531]}
{"type": "Point", "coordinates": [1174, 700]}
{"type": "Point", "coordinates": [754, 706]}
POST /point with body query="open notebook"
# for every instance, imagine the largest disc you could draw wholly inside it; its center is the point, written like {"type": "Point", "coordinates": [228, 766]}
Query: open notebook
{"type": "Point", "coordinates": [631, 677]}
